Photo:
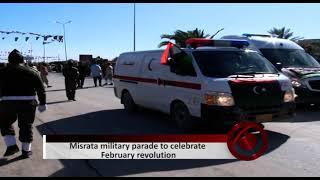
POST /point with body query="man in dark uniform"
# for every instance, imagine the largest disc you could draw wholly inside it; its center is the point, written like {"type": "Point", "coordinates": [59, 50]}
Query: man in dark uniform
{"type": "Point", "coordinates": [71, 75]}
{"type": "Point", "coordinates": [83, 71]}
{"type": "Point", "coordinates": [19, 86]}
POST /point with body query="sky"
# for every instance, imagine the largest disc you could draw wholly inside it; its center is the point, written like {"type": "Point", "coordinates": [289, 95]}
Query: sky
{"type": "Point", "coordinates": [106, 29]}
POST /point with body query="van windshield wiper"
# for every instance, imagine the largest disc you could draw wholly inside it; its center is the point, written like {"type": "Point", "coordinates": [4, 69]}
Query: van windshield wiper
{"type": "Point", "coordinates": [253, 72]}
{"type": "Point", "coordinates": [241, 76]}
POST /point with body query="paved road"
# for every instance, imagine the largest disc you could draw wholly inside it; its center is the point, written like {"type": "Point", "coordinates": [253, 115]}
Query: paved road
{"type": "Point", "coordinates": [294, 145]}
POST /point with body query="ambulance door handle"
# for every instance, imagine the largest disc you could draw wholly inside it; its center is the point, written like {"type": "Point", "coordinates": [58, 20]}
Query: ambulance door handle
{"type": "Point", "coordinates": [160, 82]}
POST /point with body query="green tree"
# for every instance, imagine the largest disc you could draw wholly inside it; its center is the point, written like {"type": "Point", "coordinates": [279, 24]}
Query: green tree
{"type": "Point", "coordinates": [284, 33]}
{"type": "Point", "coordinates": [180, 37]}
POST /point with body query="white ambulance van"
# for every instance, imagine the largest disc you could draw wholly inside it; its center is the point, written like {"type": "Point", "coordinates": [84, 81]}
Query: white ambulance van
{"type": "Point", "coordinates": [219, 81]}
{"type": "Point", "coordinates": [292, 60]}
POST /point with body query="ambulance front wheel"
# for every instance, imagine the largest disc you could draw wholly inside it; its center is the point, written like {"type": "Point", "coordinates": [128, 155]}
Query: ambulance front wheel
{"type": "Point", "coordinates": [128, 102]}
{"type": "Point", "coordinates": [181, 115]}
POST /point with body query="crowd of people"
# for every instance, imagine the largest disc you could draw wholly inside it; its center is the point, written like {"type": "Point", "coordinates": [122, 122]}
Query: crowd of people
{"type": "Point", "coordinates": [75, 75]}
{"type": "Point", "coordinates": [73, 81]}
{"type": "Point", "coordinates": [20, 104]}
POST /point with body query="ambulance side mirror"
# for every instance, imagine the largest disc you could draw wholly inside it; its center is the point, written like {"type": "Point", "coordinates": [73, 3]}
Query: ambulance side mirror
{"type": "Point", "coordinates": [170, 60]}
{"type": "Point", "coordinates": [173, 65]}
{"type": "Point", "coordinates": [279, 66]}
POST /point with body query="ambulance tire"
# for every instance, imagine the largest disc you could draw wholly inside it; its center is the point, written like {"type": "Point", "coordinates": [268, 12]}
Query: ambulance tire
{"type": "Point", "coordinates": [181, 116]}
{"type": "Point", "coordinates": [128, 102]}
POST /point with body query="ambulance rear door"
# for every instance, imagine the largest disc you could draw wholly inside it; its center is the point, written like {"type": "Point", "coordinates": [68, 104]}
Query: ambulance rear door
{"type": "Point", "coordinates": [151, 72]}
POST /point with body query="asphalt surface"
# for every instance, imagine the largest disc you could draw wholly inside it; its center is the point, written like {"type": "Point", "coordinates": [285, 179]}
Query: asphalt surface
{"type": "Point", "coordinates": [294, 148]}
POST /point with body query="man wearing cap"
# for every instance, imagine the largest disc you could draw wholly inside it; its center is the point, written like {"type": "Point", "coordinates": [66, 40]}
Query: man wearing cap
{"type": "Point", "coordinates": [19, 103]}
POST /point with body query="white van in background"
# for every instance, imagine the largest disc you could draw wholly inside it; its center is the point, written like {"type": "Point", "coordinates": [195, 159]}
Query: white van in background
{"type": "Point", "coordinates": [292, 60]}
{"type": "Point", "coordinates": [219, 81]}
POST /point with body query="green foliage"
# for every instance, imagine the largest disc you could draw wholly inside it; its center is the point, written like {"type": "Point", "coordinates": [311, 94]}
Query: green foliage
{"type": "Point", "coordinates": [180, 37]}
{"type": "Point", "coordinates": [284, 33]}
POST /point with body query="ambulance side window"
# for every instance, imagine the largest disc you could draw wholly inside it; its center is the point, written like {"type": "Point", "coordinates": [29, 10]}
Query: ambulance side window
{"type": "Point", "coordinates": [181, 64]}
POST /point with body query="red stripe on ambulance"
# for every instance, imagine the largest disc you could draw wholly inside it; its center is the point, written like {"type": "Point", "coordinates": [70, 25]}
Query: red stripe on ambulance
{"type": "Point", "coordinates": [163, 82]}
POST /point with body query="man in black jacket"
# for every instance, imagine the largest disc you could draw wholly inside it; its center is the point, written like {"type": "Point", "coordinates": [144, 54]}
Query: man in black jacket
{"type": "Point", "coordinates": [19, 86]}
{"type": "Point", "coordinates": [83, 71]}
{"type": "Point", "coordinates": [71, 75]}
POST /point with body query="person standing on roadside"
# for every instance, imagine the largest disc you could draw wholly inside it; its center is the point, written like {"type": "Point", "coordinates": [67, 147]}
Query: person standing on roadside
{"type": "Point", "coordinates": [109, 74]}
{"type": "Point", "coordinates": [83, 70]}
{"type": "Point", "coordinates": [103, 68]}
{"type": "Point", "coordinates": [71, 74]}
{"type": "Point", "coordinates": [96, 73]}
{"type": "Point", "coordinates": [44, 73]}
{"type": "Point", "coordinates": [19, 103]}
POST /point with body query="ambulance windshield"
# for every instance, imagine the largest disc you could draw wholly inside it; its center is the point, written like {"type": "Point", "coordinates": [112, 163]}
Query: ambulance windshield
{"type": "Point", "coordinates": [290, 57]}
{"type": "Point", "coordinates": [226, 63]}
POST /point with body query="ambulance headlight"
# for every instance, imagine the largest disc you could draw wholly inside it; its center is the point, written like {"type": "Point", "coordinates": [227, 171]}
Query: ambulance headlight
{"type": "Point", "coordinates": [289, 96]}
{"type": "Point", "coordinates": [219, 99]}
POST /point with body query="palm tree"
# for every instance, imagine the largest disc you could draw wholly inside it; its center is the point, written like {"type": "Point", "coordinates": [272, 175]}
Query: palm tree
{"type": "Point", "coordinates": [180, 37]}
{"type": "Point", "coordinates": [284, 33]}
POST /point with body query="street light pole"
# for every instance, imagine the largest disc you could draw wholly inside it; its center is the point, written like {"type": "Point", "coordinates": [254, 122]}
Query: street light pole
{"type": "Point", "coordinates": [44, 52]}
{"type": "Point", "coordinates": [64, 35]}
{"type": "Point", "coordinates": [31, 49]}
{"type": "Point", "coordinates": [65, 42]}
{"type": "Point", "coordinates": [134, 26]}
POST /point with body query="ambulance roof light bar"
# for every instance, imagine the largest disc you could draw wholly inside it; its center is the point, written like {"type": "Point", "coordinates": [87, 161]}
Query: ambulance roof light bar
{"type": "Point", "coordinates": [260, 35]}
{"type": "Point", "coordinates": [200, 42]}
